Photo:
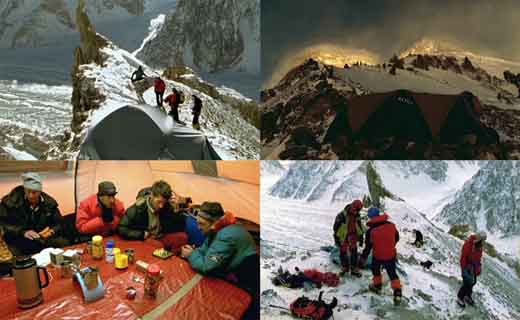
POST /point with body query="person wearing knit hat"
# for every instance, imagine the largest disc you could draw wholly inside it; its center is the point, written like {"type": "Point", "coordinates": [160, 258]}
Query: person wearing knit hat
{"type": "Point", "coordinates": [100, 213]}
{"type": "Point", "coordinates": [381, 239]}
{"type": "Point", "coordinates": [470, 264]}
{"type": "Point", "coordinates": [31, 218]}
{"type": "Point", "coordinates": [348, 232]}
{"type": "Point", "coordinates": [229, 251]}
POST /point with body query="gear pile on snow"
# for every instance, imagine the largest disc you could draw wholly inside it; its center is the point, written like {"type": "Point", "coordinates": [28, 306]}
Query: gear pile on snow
{"type": "Point", "coordinates": [305, 278]}
{"type": "Point", "coordinates": [306, 308]}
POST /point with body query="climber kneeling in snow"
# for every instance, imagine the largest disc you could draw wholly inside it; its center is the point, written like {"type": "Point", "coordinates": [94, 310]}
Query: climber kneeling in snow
{"type": "Point", "coordinates": [470, 266]}
{"type": "Point", "coordinates": [381, 238]}
{"type": "Point", "coordinates": [348, 231]}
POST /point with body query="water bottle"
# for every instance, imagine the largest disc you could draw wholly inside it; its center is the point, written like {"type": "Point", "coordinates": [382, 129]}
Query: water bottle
{"type": "Point", "coordinates": [109, 251]}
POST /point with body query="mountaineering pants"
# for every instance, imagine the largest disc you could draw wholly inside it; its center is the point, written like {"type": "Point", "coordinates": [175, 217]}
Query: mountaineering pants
{"type": "Point", "coordinates": [159, 97]}
{"type": "Point", "coordinates": [175, 113]}
{"type": "Point", "coordinates": [390, 267]}
{"type": "Point", "coordinates": [469, 279]}
{"type": "Point", "coordinates": [196, 116]}
{"type": "Point", "coordinates": [348, 252]}
{"type": "Point", "coordinates": [246, 277]}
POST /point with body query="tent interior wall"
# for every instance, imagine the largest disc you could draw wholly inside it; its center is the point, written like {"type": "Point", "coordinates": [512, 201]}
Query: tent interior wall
{"type": "Point", "coordinates": [58, 180]}
{"type": "Point", "coordinates": [236, 187]}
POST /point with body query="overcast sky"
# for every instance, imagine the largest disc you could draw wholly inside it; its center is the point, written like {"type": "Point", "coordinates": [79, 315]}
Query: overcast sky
{"type": "Point", "coordinates": [384, 27]}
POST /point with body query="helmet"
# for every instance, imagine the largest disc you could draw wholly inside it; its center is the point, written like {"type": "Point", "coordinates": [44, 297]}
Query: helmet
{"type": "Point", "coordinates": [373, 212]}
{"type": "Point", "coordinates": [357, 205]}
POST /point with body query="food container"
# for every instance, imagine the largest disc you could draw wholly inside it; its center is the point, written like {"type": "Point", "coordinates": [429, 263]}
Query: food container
{"type": "Point", "coordinates": [97, 247]}
{"type": "Point", "coordinates": [56, 256]}
{"type": "Point", "coordinates": [66, 270]}
{"type": "Point", "coordinates": [131, 255]}
{"type": "Point", "coordinates": [91, 278]}
{"type": "Point", "coordinates": [141, 266]}
{"type": "Point", "coordinates": [152, 281]}
{"type": "Point", "coordinates": [121, 261]}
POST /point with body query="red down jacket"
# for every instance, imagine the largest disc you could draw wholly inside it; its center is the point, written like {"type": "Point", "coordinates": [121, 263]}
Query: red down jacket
{"type": "Point", "coordinates": [88, 218]}
{"type": "Point", "coordinates": [381, 238]}
{"type": "Point", "coordinates": [470, 255]}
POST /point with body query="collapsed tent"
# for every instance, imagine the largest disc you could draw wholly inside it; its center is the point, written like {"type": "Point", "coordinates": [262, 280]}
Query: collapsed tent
{"type": "Point", "coordinates": [141, 132]}
{"type": "Point", "coordinates": [410, 116]}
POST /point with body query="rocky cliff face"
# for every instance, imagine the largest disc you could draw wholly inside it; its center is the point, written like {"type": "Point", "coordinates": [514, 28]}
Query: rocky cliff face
{"type": "Point", "coordinates": [37, 23]}
{"type": "Point", "coordinates": [488, 201]}
{"type": "Point", "coordinates": [208, 35]}
{"type": "Point", "coordinates": [85, 96]}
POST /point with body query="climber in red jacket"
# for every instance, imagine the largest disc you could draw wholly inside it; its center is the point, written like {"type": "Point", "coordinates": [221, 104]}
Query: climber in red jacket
{"type": "Point", "coordinates": [381, 238]}
{"type": "Point", "coordinates": [99, 214]}
{"type": "Point", "coordinates": [470, 265]}
{"type": "Point", "coordinates": [159, 88]}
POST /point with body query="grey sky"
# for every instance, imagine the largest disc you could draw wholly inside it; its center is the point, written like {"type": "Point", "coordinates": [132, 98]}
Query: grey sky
{"type": "Point", "coordinates": [384, 27]}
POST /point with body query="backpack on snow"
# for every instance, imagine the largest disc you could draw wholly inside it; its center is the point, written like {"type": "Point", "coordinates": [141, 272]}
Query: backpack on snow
{"type": "Point", "coordinates": [306, 308]}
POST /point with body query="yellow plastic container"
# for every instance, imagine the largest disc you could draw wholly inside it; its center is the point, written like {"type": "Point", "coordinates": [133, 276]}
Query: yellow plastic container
{"type": "Point", "coordinates": [121, 261]}
{"type": "Point", "coordinates": [117, 251]}
{"type": "Point", "coordinates": [97, 247]}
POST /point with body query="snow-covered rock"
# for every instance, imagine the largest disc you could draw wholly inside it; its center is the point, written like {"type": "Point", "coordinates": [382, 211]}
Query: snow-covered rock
{"type": "Point", "coordinates": [306, 99]}
{"type": "Point", "coordinates": [489, 201]}
{"type": "Point", "coordinates": [38, 23]}
{"type": "Point", "coordinates": [208, 35]}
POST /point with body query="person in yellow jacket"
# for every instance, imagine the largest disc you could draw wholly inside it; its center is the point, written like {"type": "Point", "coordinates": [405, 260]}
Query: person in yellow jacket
{"type": "Point", "coordinates": [348, 231]}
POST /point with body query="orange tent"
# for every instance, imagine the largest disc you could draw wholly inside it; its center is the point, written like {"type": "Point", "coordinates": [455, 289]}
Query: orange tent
{"type": "Point", "coordinates": [235, 184]}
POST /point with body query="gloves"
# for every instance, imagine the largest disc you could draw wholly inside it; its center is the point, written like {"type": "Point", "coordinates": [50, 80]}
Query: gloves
{"type": "Point", "coordinates": [107, 215]}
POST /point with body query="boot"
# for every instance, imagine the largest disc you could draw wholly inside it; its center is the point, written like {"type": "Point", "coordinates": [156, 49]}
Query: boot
{"type": "Point", "coordinates": [344, 271]}
{"type": "Point", "coordinates": [461, 303]}
{"type": "Point", "coordinates": [355, 272]}
{"type": "Point", "coordinates": [397, 297]}
{"type": "Point", "coordinates": [469, 300]}
{"type": "Point", "coordinates": [375, 288]}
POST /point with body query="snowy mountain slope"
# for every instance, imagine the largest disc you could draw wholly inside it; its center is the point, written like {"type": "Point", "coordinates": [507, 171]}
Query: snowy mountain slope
{"type": "Point", "coordinates": [495, 66]}
{"type": "Point", "coordinates": [431, 81]}
{"type": "Point", "coordinates": [304, 102]}
{"type": "Point", "coordinates": [232, 137]}
{"type": "Point", "coordinates": [429, 294]}
{"type": "Point", "coordinates": [313, 180]}
{"type": "Point", "coordinates": [410, 180]}
{"type": "Point", "coordinates": [337, 181]}
{"type": "Point", "coordinates": [488, 201]}
{"type": "Point", "coordinates": [101, 84]}
{"type": "Point", "coordinates": [32, 116]}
